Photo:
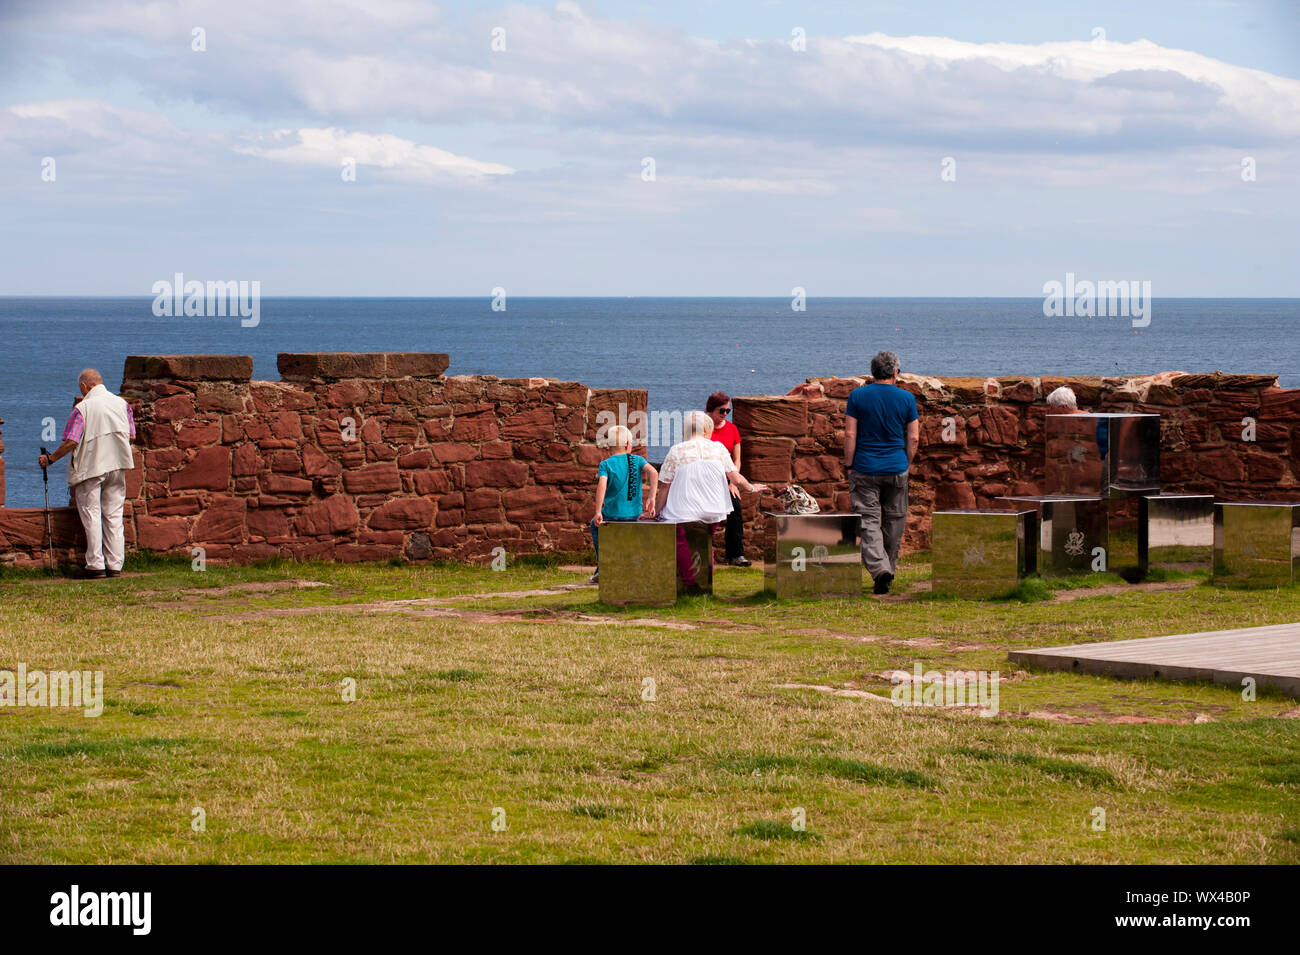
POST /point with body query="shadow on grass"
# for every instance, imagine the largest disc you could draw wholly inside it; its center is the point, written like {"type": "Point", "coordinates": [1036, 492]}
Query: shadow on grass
{"type": "Point", "coordinates": [767, 829]}
{"type": "Point", "coordinates": [1062, 769]}
{"type": "Point", "coordinates": [838, 767]}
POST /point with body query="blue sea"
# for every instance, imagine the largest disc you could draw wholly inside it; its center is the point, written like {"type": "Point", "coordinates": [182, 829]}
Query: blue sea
{"type": "Point", "coordinates": [681, 349]}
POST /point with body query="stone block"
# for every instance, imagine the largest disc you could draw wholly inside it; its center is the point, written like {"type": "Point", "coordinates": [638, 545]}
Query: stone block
{"type": "Point", "coordinates": [189, 367]}
{"type": "Point", "coordinates": [209, 470]}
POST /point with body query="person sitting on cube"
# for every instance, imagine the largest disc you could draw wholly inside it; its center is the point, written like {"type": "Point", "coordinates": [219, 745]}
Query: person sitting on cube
{"type": "Point", "coordinates": [693, 486]}
{"type": "Point", "coordinates": [618, 487]}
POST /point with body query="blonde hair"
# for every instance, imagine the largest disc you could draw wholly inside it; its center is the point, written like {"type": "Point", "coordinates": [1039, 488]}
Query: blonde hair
{"type": "Point", "coordinates": [618, 437]}
{"type": "Point", "coordinates": [696, 424]}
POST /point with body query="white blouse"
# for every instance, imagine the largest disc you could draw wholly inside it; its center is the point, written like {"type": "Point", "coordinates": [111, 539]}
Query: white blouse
{"type": "Point", "coordinates": [696, 474]}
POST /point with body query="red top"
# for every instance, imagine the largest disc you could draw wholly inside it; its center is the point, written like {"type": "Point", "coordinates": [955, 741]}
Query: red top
{"type": "Point", "coordinates": [727, 435]}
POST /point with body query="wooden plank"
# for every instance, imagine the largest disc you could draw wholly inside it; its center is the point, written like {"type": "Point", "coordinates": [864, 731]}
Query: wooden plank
{"type": "Point", "coordinates": [1269, 655]}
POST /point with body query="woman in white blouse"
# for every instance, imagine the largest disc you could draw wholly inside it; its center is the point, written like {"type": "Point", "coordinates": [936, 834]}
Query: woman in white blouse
{"type": "Point", "coordinates": [693, 485]}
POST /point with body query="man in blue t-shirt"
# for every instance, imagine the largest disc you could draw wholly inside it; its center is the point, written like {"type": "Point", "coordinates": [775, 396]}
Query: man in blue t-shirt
{"type": "Point", "coordinates": [881, 431]}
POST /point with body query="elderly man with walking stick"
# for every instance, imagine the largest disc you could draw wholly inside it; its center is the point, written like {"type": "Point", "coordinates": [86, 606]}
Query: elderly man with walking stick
{"type": "Point", "coordinates": [98, 438]}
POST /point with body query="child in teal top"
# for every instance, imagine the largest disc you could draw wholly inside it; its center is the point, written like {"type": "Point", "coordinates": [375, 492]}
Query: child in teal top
{"type": "Point", "coordinates": [619, 485]}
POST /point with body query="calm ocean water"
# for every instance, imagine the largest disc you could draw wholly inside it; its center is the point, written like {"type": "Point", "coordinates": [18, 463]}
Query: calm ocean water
{"type": "Point", "coordinates": [681, 349]}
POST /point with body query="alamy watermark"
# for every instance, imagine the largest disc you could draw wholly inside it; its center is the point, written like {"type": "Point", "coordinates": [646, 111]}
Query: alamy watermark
{"type": "Point", "coordinates": [973, 689]}
{"type": "Point", "coordinates": [1086, 299]}
{"type": "Point", "coordinates": [651, 429]}
{"type": "Point", "coordinates": [75, 907]}
{"type": "Point", "coordinates": [72, 689]}
{"type": "Point", "coordinates": [194, 299]}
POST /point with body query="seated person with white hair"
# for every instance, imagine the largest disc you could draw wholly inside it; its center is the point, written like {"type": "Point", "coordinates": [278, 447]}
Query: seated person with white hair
{"type": "Point", "coordinates": [693, 486]}
{"type": "Point", "coordinates": [1063, 401]}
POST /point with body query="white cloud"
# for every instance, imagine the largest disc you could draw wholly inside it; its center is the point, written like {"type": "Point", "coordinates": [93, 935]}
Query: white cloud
{"type": "Point", "coordinates": [330, 146]}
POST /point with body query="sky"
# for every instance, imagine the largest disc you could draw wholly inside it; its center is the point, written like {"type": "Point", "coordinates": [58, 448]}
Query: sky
{"type": "Point", "coordinates": [412, 148]}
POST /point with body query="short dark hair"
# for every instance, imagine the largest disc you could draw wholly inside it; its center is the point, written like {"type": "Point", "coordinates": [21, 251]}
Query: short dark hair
{"type": "Point", "coordinates": [884, 365]}
{"type": "Point", "coordinates": [717, 400]}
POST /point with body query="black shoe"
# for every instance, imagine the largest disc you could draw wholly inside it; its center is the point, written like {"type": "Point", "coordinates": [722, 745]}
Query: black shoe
{"type": "Point", "coordinates": [109, 571]}
{"type": "Point", "coordinates": [695, 590]}
{"type": "Point", "coordinates": [89, 574]}
{"type": "Point", "coordinates": [741, 561]}
{"type": "Point", "coordinates": [882, 583]}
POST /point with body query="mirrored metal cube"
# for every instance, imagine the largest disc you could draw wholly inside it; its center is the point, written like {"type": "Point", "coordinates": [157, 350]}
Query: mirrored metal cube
{"type": "Point", "coordinates": [1124, 537]}
{"type": "Point", "coordinates": [812, 555]}
{"type": "Point", "coordinates": [1176, 533]}
{"type": "Point", "coordinates": [638, 563]}
{"type": "Point", "coordinates": [1256, 544]}
{"type": "Point", "coordinates": [1102, 455]}
{"type": "Point", "coordinates": [1072, 534]}
{"type": "Point", "coordinates": [982, 553]}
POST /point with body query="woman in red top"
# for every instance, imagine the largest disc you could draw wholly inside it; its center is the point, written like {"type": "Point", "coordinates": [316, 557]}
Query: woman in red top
{"type": "Point", "coordinates": [728, 435]}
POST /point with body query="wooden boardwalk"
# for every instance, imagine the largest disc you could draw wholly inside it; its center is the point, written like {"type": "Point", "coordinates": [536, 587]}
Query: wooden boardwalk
{"type": "Point", "coordinates": [1271, 655]}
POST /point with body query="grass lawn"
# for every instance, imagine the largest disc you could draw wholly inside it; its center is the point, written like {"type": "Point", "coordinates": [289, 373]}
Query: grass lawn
{"type": "Point", "coordinates": [485, 700]}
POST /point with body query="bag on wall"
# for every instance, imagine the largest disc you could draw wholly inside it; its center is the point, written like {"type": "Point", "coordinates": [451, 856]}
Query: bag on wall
{"type": "Point", "coordinates": [795, 500]}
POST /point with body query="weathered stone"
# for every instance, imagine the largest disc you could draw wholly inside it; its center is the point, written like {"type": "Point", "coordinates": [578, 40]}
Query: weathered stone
{"type": "Point", "coordinates": [178, 505]}
{"type": "Point", "coordinates": [221, 522]}
{"type": "Point", "coordinates": [536, 423]}
{"type": "Point", "coordinates": [285, 484]}
{"type": "Point", "coordinates": [333, 515]}
{"type": "Point", "coordinates": [246, 461]}
{"type": "Point", "coordinates": [209, 469]}
{"type": "Point", "coordinates": [219, 396]}
{"type": "Point", "coordinates": [771, 416]}
{"type": "Point", "coordinates": [160, 533]}
{"type": "Point", "coordinates": [418, 547]}
{"type": "Point", "coordinates": [267, 522]}
{"type": "Point", "coordinates": [198, 435]}
{"type": "Point", "coordinates": [189, 367]}
{"type": "Point", "coordinates": [175, 408]}
{"type": "Point", "coordinates": [496, 474]}
{"type": "Point", "coordinates": [414, 513]}
{"type": "Point", "coordinates": [316, 463]}
{"type": "Point", "coordinates": [373, 477]}
{"type": "Point", "coordinates": [432, 482]}
{"type": "Point", "coordinates": [453, 451]}
{"type": "Point", "coordinates": [534, 504]}
{"type": "Point", "coordinates": [767, 460]}
{"type": "Point", "coordinates": [334, 365]}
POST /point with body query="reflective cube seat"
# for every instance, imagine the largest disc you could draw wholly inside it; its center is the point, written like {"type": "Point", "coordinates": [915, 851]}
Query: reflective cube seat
{"type": "Point", "coordinates": [807, 555]}
{"type": "Point", "coordinates": [1176, 532]}
{"type": "Point", "coordinates": [1070, 531]}
{"type": "Point", "coordinates": [1102, 455]}
{"type": "Point", "coordinates": [638, 561]}
{"type": "Point", "coordinates": [982, 553]}
{"type": "Point", "coordinates": [1256, 544]}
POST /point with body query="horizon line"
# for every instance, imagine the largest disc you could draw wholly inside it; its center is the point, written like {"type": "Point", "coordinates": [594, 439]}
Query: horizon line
{"type": "Point", "coordinates": [778, 298]}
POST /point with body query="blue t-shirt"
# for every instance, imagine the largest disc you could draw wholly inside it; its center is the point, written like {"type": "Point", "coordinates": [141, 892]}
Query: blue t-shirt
{"type": "Point", "coordinates": [883, 413]}
{"type": "Point", "coordinates": [619, 504]}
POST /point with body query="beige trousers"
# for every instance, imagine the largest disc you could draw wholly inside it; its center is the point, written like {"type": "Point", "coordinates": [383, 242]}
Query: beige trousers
{"type": "Point", "coordinates": [99, 502]}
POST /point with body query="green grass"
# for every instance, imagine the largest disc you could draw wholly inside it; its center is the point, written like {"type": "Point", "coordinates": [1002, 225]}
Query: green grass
{"type": "Point", "coordinates": [223, 691]}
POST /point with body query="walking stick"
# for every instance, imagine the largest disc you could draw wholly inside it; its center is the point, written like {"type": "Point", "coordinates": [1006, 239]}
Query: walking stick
{"type": "Point", "coordinates": [49, 524]}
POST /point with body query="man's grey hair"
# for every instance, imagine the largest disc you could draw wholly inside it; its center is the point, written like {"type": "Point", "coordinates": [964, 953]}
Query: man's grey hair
{"type": "Point", "coordinates": [1063, 397]}
{"type": "Point", "coordinates": [884, 366]}
{"type": "Point", "coordinates": [90, 378]}
{"type": "Point", "coordinates": [696, 424]}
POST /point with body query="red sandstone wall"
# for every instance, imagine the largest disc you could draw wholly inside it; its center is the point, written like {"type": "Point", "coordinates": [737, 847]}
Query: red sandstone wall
{"type": "Point", "coordinates": [451, 467]}
{"type": "Point", "coordinates": [440, 467]}
{"type": "Point", "coordinates": [999, 438]}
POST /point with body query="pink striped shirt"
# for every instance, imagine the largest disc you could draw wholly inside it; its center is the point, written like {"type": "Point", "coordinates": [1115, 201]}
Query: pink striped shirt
{"type": "Point", "coordinates": [76, 426]}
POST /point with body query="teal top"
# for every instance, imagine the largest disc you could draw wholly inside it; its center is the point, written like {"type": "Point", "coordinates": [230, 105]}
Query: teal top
{"type": "Point", "coordinates": [622, 486]}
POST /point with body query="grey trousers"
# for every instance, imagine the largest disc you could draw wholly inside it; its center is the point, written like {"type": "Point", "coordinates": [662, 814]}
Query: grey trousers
{"type": "Point", "coordinates": [880, 501]}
